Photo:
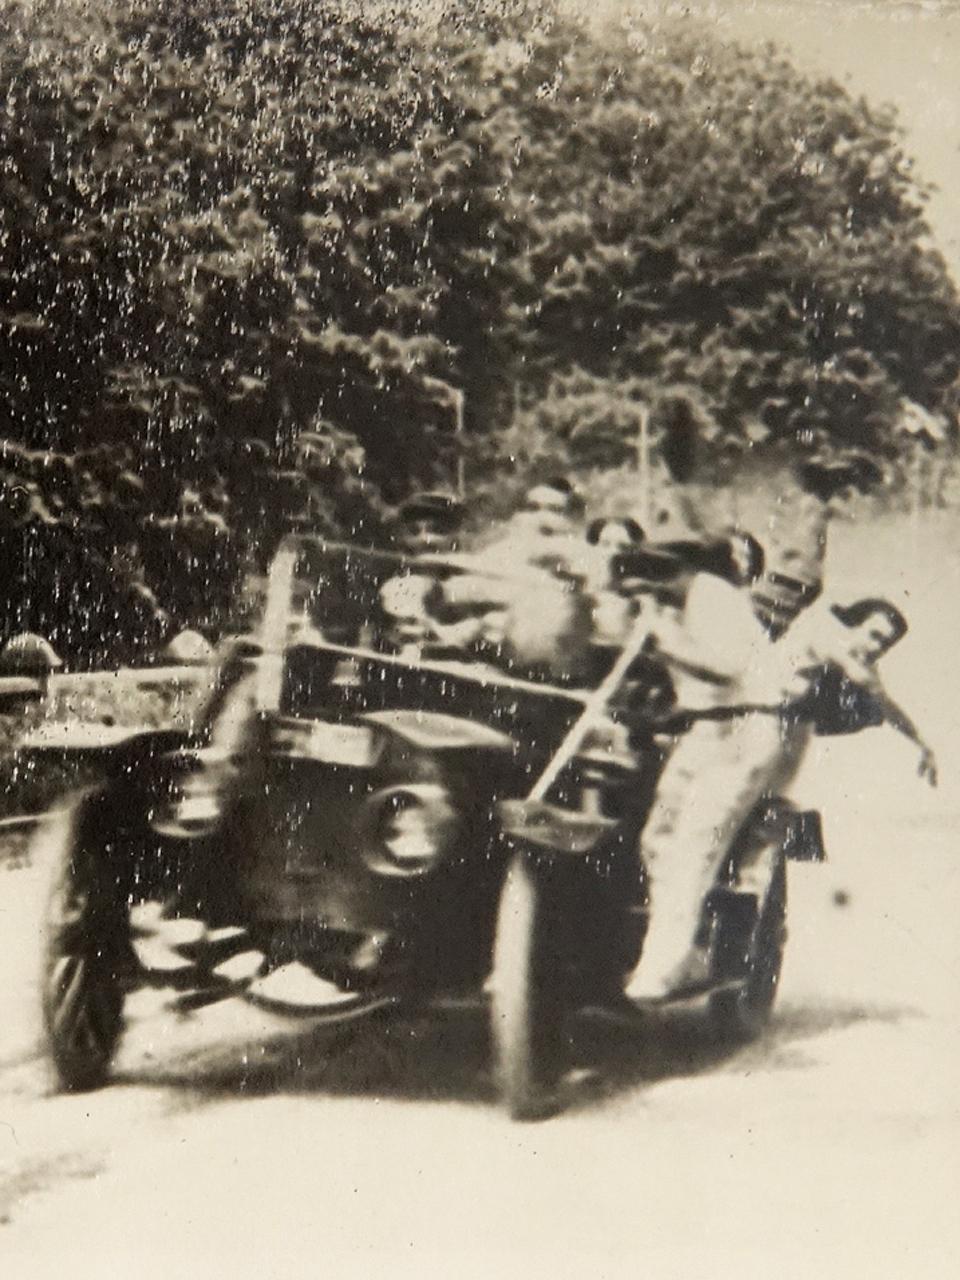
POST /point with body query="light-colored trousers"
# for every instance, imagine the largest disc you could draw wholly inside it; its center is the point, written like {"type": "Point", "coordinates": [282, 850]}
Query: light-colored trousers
{"type": "Point", "coordinates": [714, 777]}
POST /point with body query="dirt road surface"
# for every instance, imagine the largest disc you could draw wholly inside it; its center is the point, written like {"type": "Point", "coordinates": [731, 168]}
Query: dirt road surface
{"type": "Point", "coordinates": [231, 1145]}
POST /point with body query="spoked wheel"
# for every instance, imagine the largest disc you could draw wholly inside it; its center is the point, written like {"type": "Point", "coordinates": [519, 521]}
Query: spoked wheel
{"type": "Point", "coordinates": [751, 948]}
{"type": "Point", "coordinates": [527, 1005]}
{"type": "Point", "coordinates": [82, 987]}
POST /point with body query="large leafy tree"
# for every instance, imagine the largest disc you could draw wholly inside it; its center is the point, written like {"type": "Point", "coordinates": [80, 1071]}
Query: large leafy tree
{"type": "Point", "coordinates": [254, 254]}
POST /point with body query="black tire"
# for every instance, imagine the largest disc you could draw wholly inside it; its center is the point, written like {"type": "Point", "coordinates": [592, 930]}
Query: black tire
{"type": "Point", "coordinates": [741, 1011]}
{"type": "Point", "coordinates": [527, 1007]}
{"type": "Point", "coordinates": [82, 986]}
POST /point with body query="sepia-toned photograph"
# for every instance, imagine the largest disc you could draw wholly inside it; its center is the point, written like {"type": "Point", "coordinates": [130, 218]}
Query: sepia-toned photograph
{"type": "Point", "coordinates": [480, 519]}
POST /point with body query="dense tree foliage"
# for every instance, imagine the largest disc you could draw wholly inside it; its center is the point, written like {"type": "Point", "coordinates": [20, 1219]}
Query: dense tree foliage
{"type": "Point", "coordinates": [253, 252]}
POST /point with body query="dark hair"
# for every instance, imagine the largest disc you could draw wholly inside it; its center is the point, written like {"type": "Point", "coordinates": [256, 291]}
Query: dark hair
{"type": "Point", "coordinates": [560, 483]}
{"type": "Point", "coordinates": [854, 615]}
{"type": "Point", "coordinates": [756, 559]}
{"type": "Point", "coordinates": [441, 510]}
{"type": "Point", "coordinates": [596, 527]}
{"type": "Point", "coordinates": [662, 561]}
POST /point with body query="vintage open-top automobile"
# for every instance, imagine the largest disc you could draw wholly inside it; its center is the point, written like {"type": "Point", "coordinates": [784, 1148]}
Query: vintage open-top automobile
{"type": "Point", "coordinates": [393, 823]}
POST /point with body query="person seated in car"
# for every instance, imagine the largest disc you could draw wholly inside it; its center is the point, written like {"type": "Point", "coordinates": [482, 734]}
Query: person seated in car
{"type": "Point", "coordinates": [426, 524]}
{"type": "Point", "coordinates": [611, 608]}
{"type": "Point", "coordinates": [511, 601]}
{"type": "Point", "coordinates": [530, 623]}
{"type": "Point", "coordinates": [476, 612]}
{"type": "Point", "coordinates": [543, 533]}
{"type": "Point", "coordinates": [520, 600]}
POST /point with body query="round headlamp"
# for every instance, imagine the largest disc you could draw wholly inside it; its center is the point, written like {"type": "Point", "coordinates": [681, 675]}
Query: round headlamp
{"type": "Point", "coordinates": [413, 828]}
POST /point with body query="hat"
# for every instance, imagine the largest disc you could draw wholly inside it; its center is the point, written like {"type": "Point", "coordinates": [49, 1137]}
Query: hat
{"type": "Point", "coordinates": [441, 509]}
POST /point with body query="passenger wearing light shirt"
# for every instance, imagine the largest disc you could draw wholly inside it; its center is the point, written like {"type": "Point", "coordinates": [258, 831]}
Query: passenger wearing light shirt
{"type": "Point", "coordinates": [720, 660]}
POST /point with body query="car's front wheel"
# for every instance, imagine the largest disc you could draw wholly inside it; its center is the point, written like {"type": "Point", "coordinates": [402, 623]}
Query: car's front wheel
{"type": "Point", "coordinates": [82, 982]}
{"type": "Point", "coordinates": [527, 1004]}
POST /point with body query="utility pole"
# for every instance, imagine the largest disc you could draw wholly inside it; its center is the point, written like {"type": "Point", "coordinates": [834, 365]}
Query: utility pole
{"type": "Point", "coordinates": [643, 466]}
{"type": "Point", "coordinates": [454, 398]}
{"type": "Point", "coordinates": [458, 429]}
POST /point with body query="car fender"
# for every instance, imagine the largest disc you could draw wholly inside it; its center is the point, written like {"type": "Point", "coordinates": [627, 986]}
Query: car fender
{"type": "Point", "coordinates": [436, 731]}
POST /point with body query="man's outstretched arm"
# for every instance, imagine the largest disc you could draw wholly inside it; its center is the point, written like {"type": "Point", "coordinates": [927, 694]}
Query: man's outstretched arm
{"type": "Point", "coordinates": [897, 718]}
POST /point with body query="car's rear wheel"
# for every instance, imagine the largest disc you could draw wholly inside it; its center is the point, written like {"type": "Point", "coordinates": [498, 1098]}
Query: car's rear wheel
{"type": "Point", "coordinates": [82, 984]}
{"type": "Point", "coordinates": [527, 1004]}
{"type": "Point", "coordinates": [747, 953]}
